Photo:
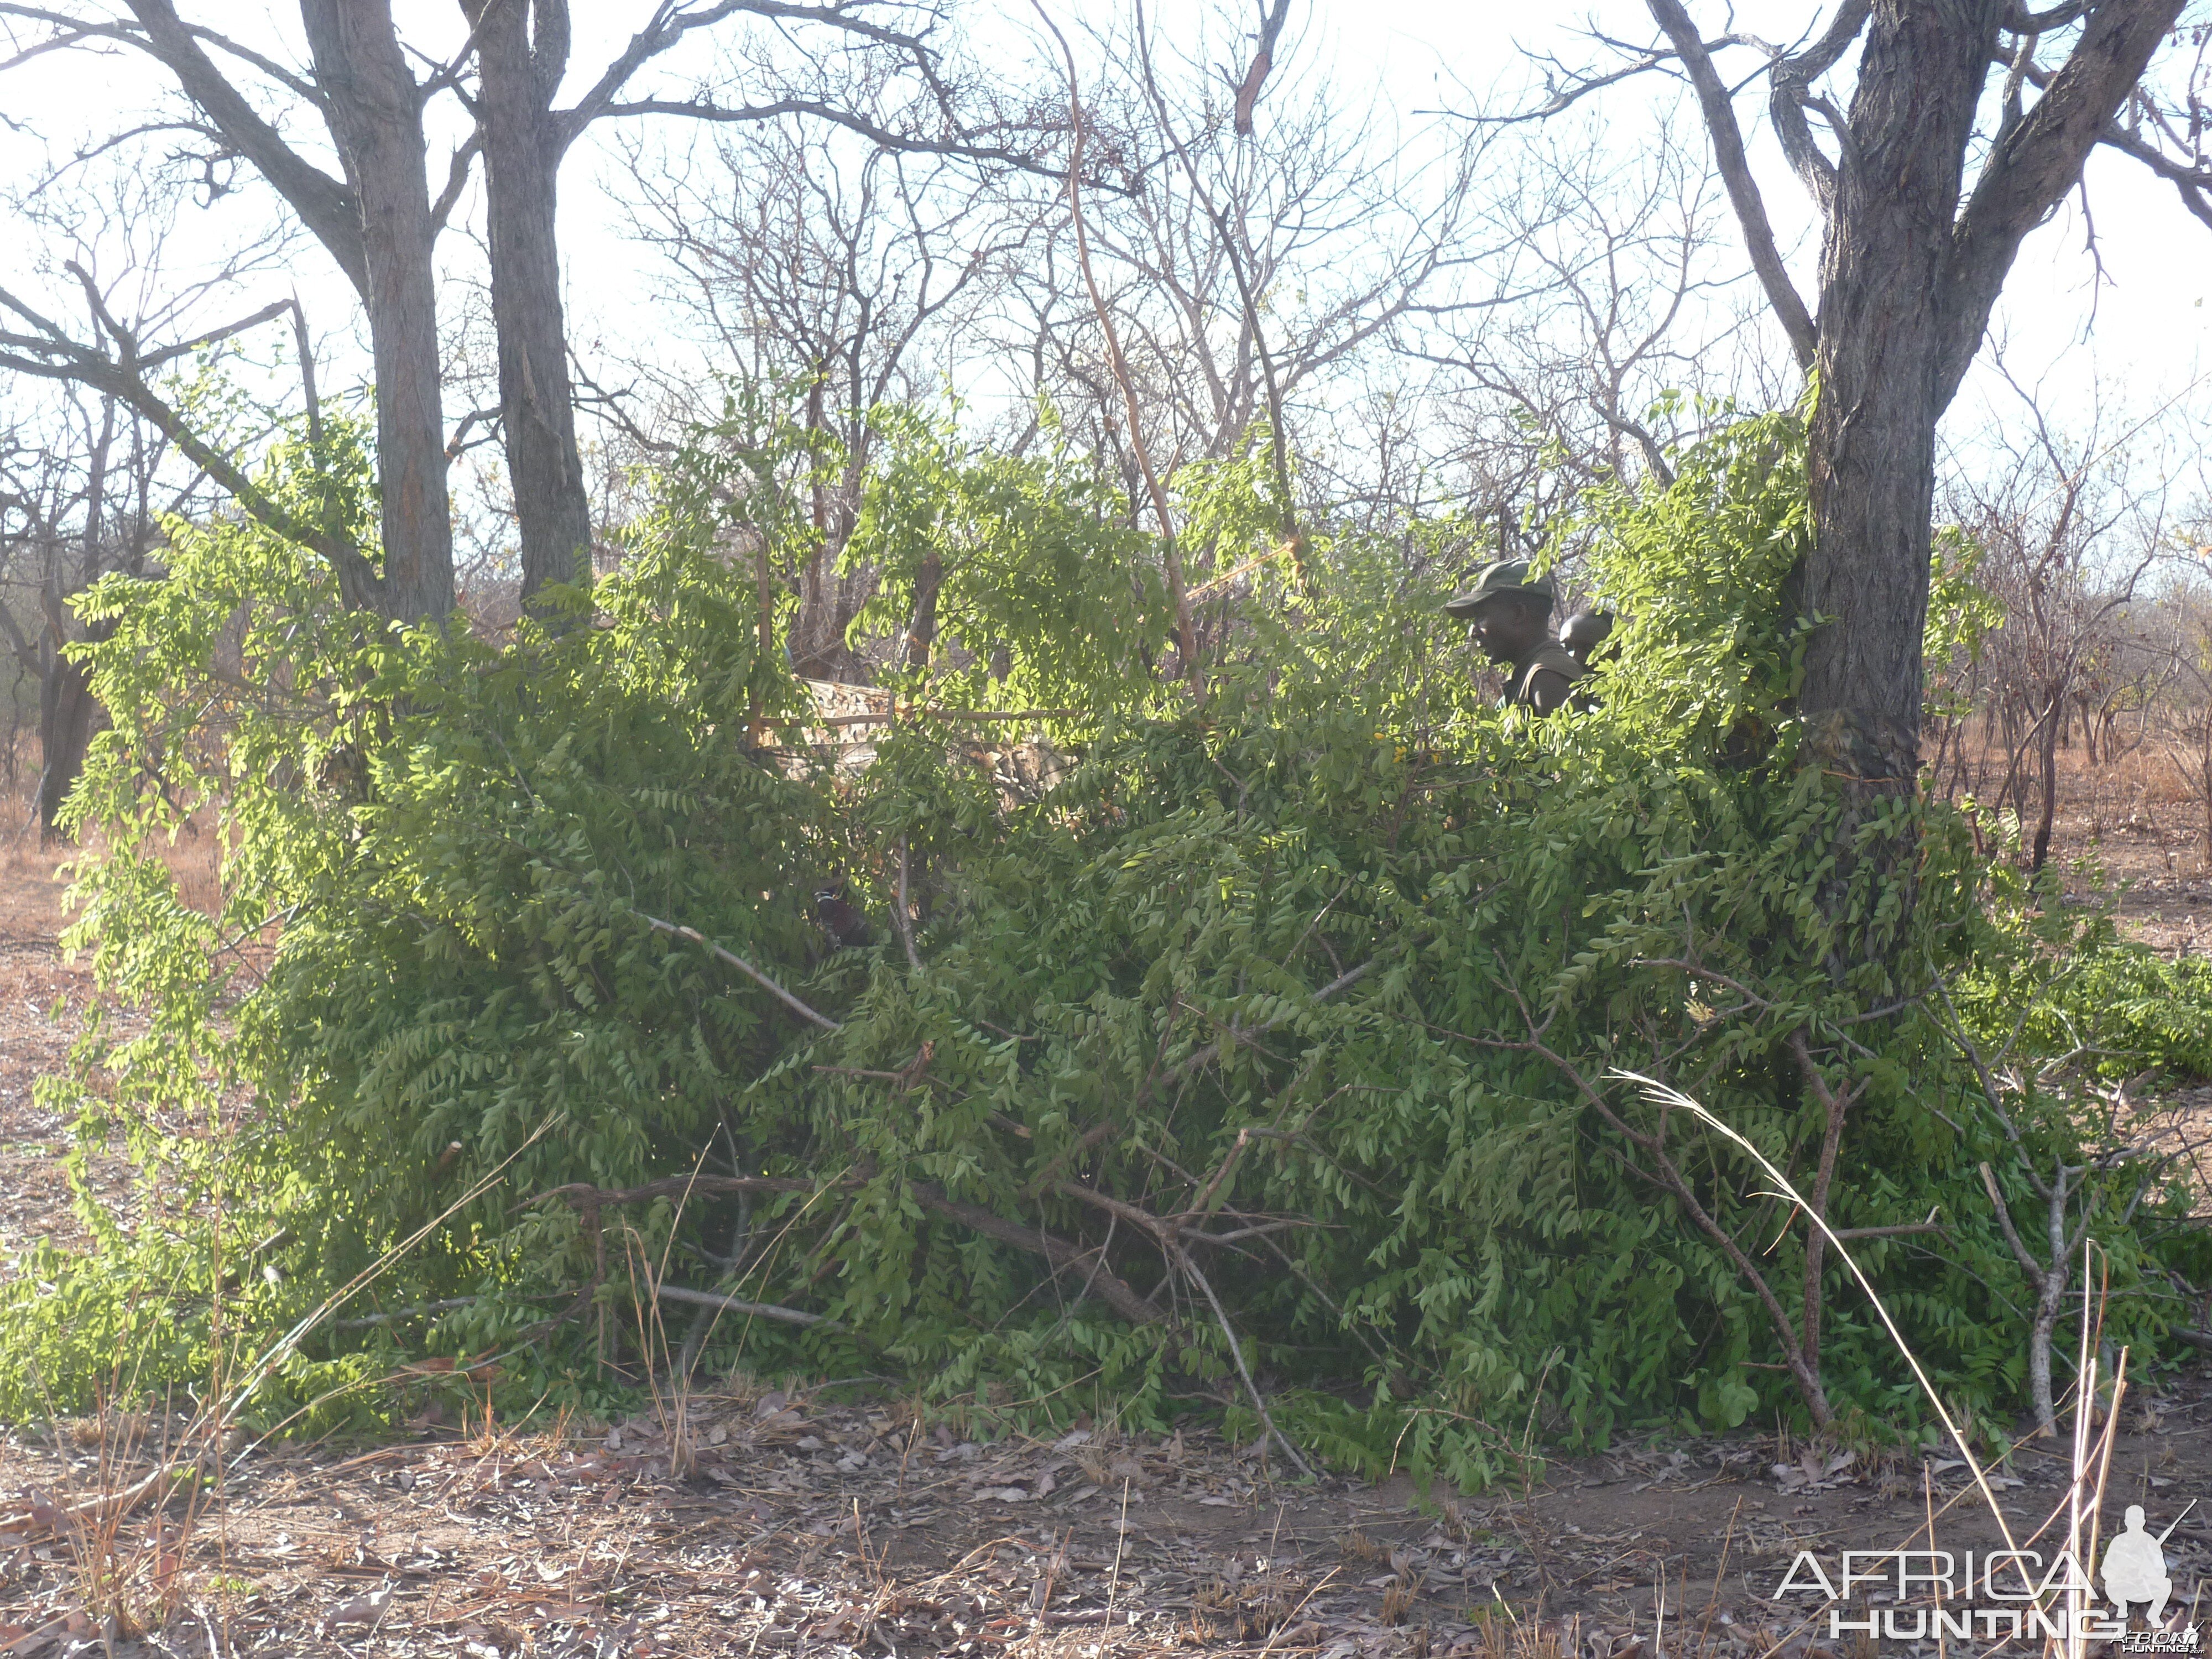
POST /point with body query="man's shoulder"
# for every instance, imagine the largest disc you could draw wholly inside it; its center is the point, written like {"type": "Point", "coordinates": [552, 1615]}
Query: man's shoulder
{"type": "Point", "coordinates": [1557, 658]}
{"type": "Point", "coordinates": [1550, 657]}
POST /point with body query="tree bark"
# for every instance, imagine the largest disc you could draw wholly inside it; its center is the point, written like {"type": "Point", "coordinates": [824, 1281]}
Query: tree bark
{"type": "Point", "coordinates": [1883, 337]}
{"type": "Point", "coordinates": [68, 715]}
{"type": "Point", "coordinates": [377, 224]}
{"type": "Point", "coordinates": [921, 628]}
{"type": "Point", "coordinates": [1911, 267]}
{"type": "Point", "coordinates": [522, 50]}
{"type": "Point", "coordinates": [67, 712]}
{"type": "Point", "coordinates": [374, 109]}
{"type": "Point", "coordinates": [325, 204]}
{"type": "Point", "coordinates": [2049, 810]}
{"type": "Point", "coordinates": [1834, 1109]}
{"type": "Point", "coordinates": [2050, 1283]}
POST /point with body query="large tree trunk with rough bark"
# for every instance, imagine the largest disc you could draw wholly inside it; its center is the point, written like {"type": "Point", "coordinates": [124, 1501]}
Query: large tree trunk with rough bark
{"type": "Point", "coordinates": [373, 107]}
{"type": "Point", "coordinates": [1883, 329]}
{"type": "Point", "coordinates": [1912, 263]}
{"type": "Point", "coordinates": [378, 225]}
{"type": "Point", "coordinates": [522, 49]}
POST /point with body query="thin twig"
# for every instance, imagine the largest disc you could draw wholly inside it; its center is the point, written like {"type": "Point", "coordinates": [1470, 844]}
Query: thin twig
{"type": "Point", "coordinates": [744, 968]}
{"type": "Point", "coordinates": [584, 1195]}
{"type": "Point", "coordinates": [1661, 1092]}
{"type": "Point", "coordinates": [1237, 1353]}
{"type": "Point", "coordinates": [1293, 540]}
{"type": "Point", "coordinates": [1213, 583]}
{"type": "Point", "coordinates": [1238, 1033]}
{"type": "Point", "coordinates": [978, 716]}
{"type": "Point", "coordinates": [1171, 561]}
{"type": "Point", "coordinates": [732, 1305]}
{"type": "Point", "coordinates": [107, 1509]}
{"type": "Point", "coordinates": [418, 1310]}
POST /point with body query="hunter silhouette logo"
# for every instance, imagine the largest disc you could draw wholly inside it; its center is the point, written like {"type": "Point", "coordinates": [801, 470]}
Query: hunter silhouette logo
{"type": "Point", "coordinates": [2135, 1568]}
{"type": "Point", "coordinates": [2003, 1594]}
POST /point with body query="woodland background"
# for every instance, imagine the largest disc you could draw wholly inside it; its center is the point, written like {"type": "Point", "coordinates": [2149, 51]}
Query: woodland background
{"type": "Point", "coordinates": [911, 811]}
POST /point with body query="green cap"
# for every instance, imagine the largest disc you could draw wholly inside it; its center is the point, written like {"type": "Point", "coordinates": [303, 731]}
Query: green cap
{"type": "Point", "coordinates": [1508, 576]}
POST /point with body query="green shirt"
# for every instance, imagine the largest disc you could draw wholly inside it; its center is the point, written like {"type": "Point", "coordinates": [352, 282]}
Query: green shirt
{"type": "Point", "coordinates": [1549, 657]}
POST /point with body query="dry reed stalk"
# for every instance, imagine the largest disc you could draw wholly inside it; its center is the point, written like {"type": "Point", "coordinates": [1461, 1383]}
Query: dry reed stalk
{"type": "Point", "coordinates": [2091, 1450]}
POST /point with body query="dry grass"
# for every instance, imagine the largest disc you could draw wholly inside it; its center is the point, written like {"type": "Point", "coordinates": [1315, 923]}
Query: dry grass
{"type": "Point", "coordinates": [811, 1528]}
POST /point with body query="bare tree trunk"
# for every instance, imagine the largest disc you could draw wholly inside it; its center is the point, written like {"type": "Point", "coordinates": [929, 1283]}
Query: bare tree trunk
{"type": "Point", "coordinates": [67, 709]}
{"type": "Point", "coordinates": [372, 104]}
{"type": "Point", "coordinates": [2050, 1283]}
{"type": "Point", "coordinates": [816, 639]}
{"type": "Point", "coordinates": [1884, 342]}
{"type": "Point", "coordinates": [2014, 787]}
{"type": "Point", "coordinates": [1911, 264]}
{"type": "Point", "coordinates": [67, 715]}
{"type": "Point", "coordinates": [2050, 786]}
{"type": "Point", "coordinates": [2049, 1297]}
{"type": "Point", "coordinates": [1834, 1109]}
{"type": "Point", "coordinates": [921, 631]}
{"type": "Point", "coordinates": [522, 50]}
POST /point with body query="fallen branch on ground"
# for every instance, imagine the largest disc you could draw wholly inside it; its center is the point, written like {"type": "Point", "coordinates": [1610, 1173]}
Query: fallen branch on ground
{"type": "Point", "coordinates": [1109, 1286]}
{"type": "Point", "coordinates": [1064, 1256]}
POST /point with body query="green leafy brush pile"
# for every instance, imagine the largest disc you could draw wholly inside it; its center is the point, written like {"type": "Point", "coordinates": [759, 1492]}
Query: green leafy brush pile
{"type": "Point", "coordinates": [1270, 1052]}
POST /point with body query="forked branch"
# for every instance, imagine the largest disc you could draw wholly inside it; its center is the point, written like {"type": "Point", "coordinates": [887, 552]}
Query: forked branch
{"type": "Point", "coordinates": [32, 344]}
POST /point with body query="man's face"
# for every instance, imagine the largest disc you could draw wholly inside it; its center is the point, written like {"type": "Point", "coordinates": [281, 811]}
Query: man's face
{"type": "Point", "coordinates": [1505, 629]}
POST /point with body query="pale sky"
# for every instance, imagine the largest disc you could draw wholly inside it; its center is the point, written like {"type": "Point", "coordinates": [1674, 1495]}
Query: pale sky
{"type": "Point", "coordinates": [2139, 334]}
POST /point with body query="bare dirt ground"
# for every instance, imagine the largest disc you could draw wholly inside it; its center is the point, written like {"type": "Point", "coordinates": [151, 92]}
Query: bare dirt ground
{"type": "Point", "coordinates": [2132, 818]}
{"type": "Point", "coordinates": [796, 1526]}
{"type": "Point", "coordinates": [43, 1000]}
{"type": "Point", "coordinates": [745, 1522]}
{"type": "Point", "coordinates": [40, 999]}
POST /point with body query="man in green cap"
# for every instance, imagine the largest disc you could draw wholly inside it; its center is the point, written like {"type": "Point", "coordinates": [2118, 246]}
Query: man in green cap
{"type": "Point", "coordinates": [1512, 614]}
